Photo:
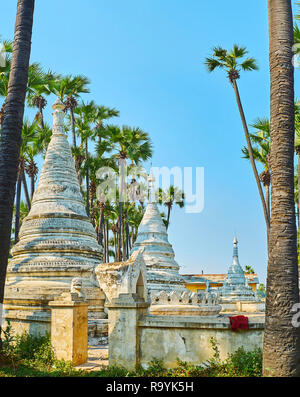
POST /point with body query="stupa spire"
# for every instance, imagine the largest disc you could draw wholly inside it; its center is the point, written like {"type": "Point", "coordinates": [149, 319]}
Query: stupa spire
{"type": "Point", "coordinates": [235, 249]}
{"type": "Point", "coordinates": [151, 181]}
{"type": "Point", "coordinates": [235, 271]}
{"type": "Point", "coordinates": [58, 117]}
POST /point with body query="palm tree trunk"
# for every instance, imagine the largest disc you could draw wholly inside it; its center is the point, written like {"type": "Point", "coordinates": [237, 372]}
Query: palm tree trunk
{"type": "Point", "coordinates": [41, 118]}
{"type": "Point", "coordinates": [73, 127]}
{"type": "Point", "coordinates": [101, 223]}
{"type": "Point", "coordinates": [107, 239]}
{"type": "Point", "coordinates": [120, 233]}
{"type": "Point", "coordinates": [87, 179]}
{"type": "Point", "coordinates": [116, 248]}
{"type": "Point", "coordinates": [251, 157]}
{"type": "Point", "coordinates": [12, 128]}
{"type": "Point", "coordinates": [104, 243]}
{"type": "Point", "coordinates": [169, 214]}
{"type": "Point", "coordinates": [26, 191]}
{"type": "Point", "coordinates": [123, 240]}
{"type": "Point", "coordinates": [128, 246]}
{"type": "Point", "coordinates": [281, 353]}
{"type": "Point", "coordinates": [18, 203]}
{"type": "Point", "coordinates": [298, 204]}
{"type": "Point", "coordinates": [32, 186]}
{"type": "Point", "coordinates": [267, 190]}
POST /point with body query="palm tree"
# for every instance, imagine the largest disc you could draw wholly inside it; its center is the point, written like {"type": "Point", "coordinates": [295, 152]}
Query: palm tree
{"type": "Point", "coordinates": [42, 139]}
{"type": "Point", "coordinates": [85, 117]}
{"type": "Point", "coordinates": [168, 198]}
{"type": "Point", "coordinates": [39, 85]}
{"type": "Point", "coordinates": [4, 74]}
{"type": "Point", "coordinates": [69, 89]}
{"type": "Point", "coordinates": [28, 135]}
{"type": "Point", "coordinates": [281, 351]}
{"type": "Point", "coordinates": [31, 167]}
{"type": "Point", "coordinates": [130, 143]}
{"type": "Point", "coordinates": [12, 128]}
{"type": "Point", "coordinates": [249, 270]}
{"type": "Point", "coordinates": [232, 61]}
{"type": "Point", "coordinates": [261, 153]}
{"type": "Point", "coordinates": [297, 147]}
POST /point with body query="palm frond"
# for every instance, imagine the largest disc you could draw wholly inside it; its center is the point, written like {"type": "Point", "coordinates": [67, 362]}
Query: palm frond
{"type": "Point", "coordinates": [212, 63]}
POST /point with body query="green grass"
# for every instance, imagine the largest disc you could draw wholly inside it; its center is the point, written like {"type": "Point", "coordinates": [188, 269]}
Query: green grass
{"type": "Point", "coordinates": [32, 356]}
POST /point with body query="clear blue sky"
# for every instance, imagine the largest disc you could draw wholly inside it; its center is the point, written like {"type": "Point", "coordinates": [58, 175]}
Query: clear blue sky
{"type": "Point", "coordinates": [145, 57]}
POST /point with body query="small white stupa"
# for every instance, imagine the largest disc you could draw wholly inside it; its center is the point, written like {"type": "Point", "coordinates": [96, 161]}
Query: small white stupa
{"type": "Point", "coordinates": [166, 287]}
{"type": "Point", "coordinates": [158, 254]}
{"type": "Point", "coordinates": [236, 294]}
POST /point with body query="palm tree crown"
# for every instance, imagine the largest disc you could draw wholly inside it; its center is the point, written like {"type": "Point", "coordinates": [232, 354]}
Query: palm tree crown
{"type": "Point", "coordinates": [230, 61]}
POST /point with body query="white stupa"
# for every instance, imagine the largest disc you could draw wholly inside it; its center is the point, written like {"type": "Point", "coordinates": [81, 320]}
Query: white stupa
{"type": "Point", "coordinates": [57, 242]}
{"type": "Point", "coordinates": [158, 254]}
{"type": "Point", "coordinates": [236, 289]}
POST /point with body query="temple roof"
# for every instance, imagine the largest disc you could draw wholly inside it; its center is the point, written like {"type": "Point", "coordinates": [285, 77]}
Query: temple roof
{"type": "Point", "coordinates": [215, 278]}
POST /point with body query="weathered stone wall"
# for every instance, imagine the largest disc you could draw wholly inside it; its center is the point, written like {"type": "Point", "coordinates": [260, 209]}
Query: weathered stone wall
{"type": "Point", "coordinates": [136, 338]}
{"type": "Point", "coordinates": [189, 340]}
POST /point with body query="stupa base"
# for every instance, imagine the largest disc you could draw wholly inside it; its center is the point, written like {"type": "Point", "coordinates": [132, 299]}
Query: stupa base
{"type": "Point", "coordinates": [26, 301]}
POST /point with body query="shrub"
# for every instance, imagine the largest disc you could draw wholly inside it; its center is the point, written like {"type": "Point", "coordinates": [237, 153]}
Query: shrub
{"type": "Point", "coordinates": [29, 355]}
{"type": "Point", "coordinates": [34, 348]}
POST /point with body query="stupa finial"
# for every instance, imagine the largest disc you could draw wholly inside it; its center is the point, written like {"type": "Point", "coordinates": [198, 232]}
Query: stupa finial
{"type": "Point", "coordinates": [58, 117]}
{"type": "Point", "coordinates": [235, 247]}
{"type": "Point", "coordinates": [151, 181]}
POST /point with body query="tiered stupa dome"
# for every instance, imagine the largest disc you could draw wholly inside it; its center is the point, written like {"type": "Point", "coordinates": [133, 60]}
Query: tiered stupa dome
{"type": "Point", "coordinates": [57, 241]}
{"type": "Point", "coordinates": [236, 288]}
{"type": "Point", "coordinates": [158, 254]}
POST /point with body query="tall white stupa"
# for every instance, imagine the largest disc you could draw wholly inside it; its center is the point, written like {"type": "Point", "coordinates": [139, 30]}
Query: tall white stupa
{"type": "Point", "coordinates": [57, 242]}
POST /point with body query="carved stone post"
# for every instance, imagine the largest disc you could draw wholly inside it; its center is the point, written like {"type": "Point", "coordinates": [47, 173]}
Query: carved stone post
{"type": "Point", "coordinates": [69, 328]}
{"type": "Point", "coordinates": [123, 334]}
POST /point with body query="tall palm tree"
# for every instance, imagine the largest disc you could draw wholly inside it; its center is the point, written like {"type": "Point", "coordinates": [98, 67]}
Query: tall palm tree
{"type": "Point", "coordinates": [281, 351]}
{"type": "Point", "coordinates": [12, 127]}
{"type": "Point", "coordinates": [31, 167]}
{"type": "Point", "coordinates": [135, 145]}
{"type": "Point", "coordinates": [42, 139]}
{"type": "Point", "coordinates": [4, 74]}
{"type": "Point", "coordinates": [69, 89]}
{"type": "Point", "coordinates": [297, 147]}
{"type": "Point", "coordinates": [168, 198]}
{"type": "Point", "coordinates": [261, 153]}
{"type": "Point", "coordinates": [85, 117]}
{"type": "Point", "coordinates": [39, 85]}
{"type": "Point", "coordinates": [28, 135]}
{"type": "Point", "coordinates": [233, 62]}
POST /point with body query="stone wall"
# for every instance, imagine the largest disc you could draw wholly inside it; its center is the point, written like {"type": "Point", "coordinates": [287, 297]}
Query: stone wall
{"type": "Point", "coordinates": [188, 339]}
{"type": "Point", "coordinates": [136, 338]}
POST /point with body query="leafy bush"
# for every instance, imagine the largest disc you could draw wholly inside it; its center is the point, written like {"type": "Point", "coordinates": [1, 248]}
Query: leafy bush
{"type": "Point", "coordinates": [32, 347]}
{"type": "Point", "coordinates": [28, 355]}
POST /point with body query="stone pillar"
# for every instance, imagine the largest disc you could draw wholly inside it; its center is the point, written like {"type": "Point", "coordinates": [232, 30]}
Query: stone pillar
{"type": "Point", "coordinates": [69, 328]}
{"type": "Point", "coordinates": [124, 313]}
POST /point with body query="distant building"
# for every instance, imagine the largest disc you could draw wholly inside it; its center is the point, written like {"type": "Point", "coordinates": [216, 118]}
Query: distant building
{"type": "Point", "coordinates": [195, 282]}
